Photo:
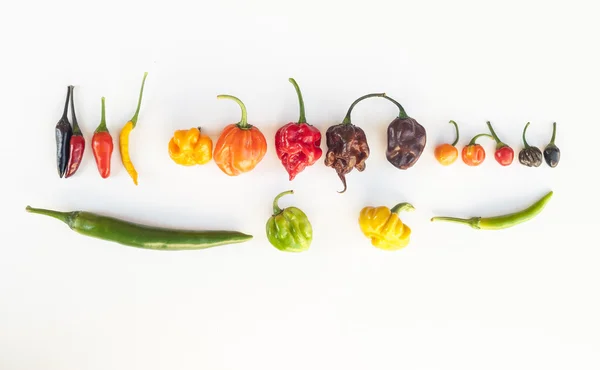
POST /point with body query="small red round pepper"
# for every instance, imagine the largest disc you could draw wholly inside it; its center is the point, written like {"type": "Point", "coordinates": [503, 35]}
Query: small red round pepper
{"type": "Point", "coordinates": [504, 154]}
{"type": "Point", "coordinates": [298, 143]}
{"type": "Point", "coordinates": [473, 154]}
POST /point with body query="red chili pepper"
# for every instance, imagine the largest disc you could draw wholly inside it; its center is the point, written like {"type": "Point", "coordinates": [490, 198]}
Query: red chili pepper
{"type": "Point", "coordinates": [504, 154]}
{"type": "Point", "coordinates": [102, 146]}
{"type": "Point", "coordinates": [298, 143]}
{"type": "Point", "coordinates": [474, 154]}
{"type": "Point", "coordinates": [76, 144]}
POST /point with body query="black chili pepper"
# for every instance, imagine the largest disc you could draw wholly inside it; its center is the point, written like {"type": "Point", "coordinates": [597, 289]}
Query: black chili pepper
{"type": "Point", "coordinates": [530, 156]}
{"type": "Point", "coordinates": [63, 132]}
{"type": "Point", "coordinates": [406, 139]}
{"type": "Point", "coordinates": [347, 145]}
{"type": "Point", "coordinates": [551, 152]}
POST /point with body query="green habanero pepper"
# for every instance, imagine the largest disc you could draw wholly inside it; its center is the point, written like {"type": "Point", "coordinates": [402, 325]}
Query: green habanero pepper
{"type": "Point", "coordinates": [289, 229]}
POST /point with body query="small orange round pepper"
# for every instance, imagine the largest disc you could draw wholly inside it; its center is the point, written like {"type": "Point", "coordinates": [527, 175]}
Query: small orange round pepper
{"type": "Point", "coordinates": [446, 153]}
{"type": "Point", "coordinates": [190, 147]}
{"type": "Point", "coordinates": [473, 154]}
{"type": "Point", "coordinates": [240, 146]}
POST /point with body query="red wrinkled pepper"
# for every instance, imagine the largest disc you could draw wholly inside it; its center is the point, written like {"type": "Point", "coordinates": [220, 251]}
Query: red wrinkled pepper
{"type": "Point", "coordinates": [76, 144]}
{"type": "Point", "coordinates": [102, 146]}
{"type": "Point", "coordinates": [504, 154]}
{"type": "Point", "coordinates": [298, 143]}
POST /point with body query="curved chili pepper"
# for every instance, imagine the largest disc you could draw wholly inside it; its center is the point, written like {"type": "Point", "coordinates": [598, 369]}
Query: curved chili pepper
{"type": "Point", "coordinates": [102, 146]}
{"type": "Point", "coordinates": [347, 146]}
{"type": "Point", "coordinates": [241, 146]}
{"type": "Point", "coordinates": [76, 144]}
{"type": "Point", "coordinates": [298, 143]}
{"type": "Point", "coordinates": [124, 137]}
{"type": "Point", "coordinates": [190, 147]}
{"type": "Point", "coordinates": [551, 152]}
{"type": "Point", "coordinates": [406, 139]}
{"type": "Point", "coordinates": [530, 156]}
{"type": "Point", "coordinates": [289, 229]}
{"type": "Point", "coordinates": [504, 154]}
{"type": "Point", "coordinates": [446, 154]}
{"type": "Point", "coordinates": [473, 154]}
{"type": "Point", "coordinates": [504, 221]}
{"type": "Point", "coordinates": [384, 227]}
{"type": "Point", "coordinates": [63, 132]}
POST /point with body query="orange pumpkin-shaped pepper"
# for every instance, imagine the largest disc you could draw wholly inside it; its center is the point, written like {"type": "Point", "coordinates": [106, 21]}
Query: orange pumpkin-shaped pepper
{"type": "Point", "coordinates": [240, 146]}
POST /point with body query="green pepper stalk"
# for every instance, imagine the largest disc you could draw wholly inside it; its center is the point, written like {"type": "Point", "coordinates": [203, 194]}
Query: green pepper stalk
{"type": "Point", "coordinates": [289, 229]}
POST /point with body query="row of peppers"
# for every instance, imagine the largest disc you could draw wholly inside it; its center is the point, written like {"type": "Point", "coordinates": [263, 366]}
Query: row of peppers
{"type": "Point", "coordinates": [241, 146]}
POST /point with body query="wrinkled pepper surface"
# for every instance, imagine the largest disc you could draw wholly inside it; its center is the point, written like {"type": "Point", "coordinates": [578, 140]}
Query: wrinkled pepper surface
{"type": "Point", "coordinates": [289, 229]}
{"type": "Point", "coordinates": [530, 156]}
{"type": "Point", "coordinates": [76, 144]}
{"type": "Point", "coordinates": [406, 139]}
{"type": "Point", "coordinates": [124, 137]}
{"type": "Point", "coordinates": [384, 227]}
{"type": "Point", "coordinates": [347, 146]}
{"type": "Point", "coordinates": [190, 147]}
{"type": "Point", "coordinates": [298, 143]}
{"type": "Point", "coordinates": [62, 133]}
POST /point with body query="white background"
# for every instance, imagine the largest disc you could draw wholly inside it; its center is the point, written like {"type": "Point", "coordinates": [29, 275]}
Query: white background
{"type": "Point", "coordinates": [455, 298]}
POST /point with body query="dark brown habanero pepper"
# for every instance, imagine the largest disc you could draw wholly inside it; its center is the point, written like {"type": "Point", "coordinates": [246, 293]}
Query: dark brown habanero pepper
{"type": "Point", "coordinates": [347, 146]}
{"type": "Point", "coordinates": [406, 139]}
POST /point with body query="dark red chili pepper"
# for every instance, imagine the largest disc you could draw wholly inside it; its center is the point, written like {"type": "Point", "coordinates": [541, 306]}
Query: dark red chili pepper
{"type": "Point", "coordinates": [298, 143]}
{"type": "Point", "coordinates": [62, 133]}
{"type": "Point", "coordinates": [102, 146]}
{"type": "Point", "coordinates": [77, 142]}
{"type": "Point", "coordinates": [406, 139]}
{"type": "Point", "coordinates": [504, 154]}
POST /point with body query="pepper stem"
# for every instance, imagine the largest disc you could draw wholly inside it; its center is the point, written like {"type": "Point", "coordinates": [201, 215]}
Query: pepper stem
{"type": "Point", "coordinates": [64, 116]}
{"type": "Point", "coordinates": [466, 221]}
{"type": "Point", "coordinates": [402, 207]}
{"type": "Point", "coordinates": [553, 133]}
{"type": "Point", "coordinates": [276, 209]}
{"type": "Point", "coordinates": [66, 217]}
{"type": "Point", "coordinates": [302, 118]}
{"type": "Point", "coordinates": [244, 121]}
{"type": "Point", "coordinates": [472, 142]}
{"type": "Point", "coordinates": [402, 114]}
{"type": "Point", "coordinates": [76, 129]}
{"type": "Point", "coordinates": [347, 119]}
{"type": "Point", "coordinates": [137, 111]}
{"type": "Point", "coordinates": [457, 136]}
{"type": "Point", "coordinates": [525, 140]}
{"type": "Point", "coordinates": [102, 126]}
{"type": "Point", "coordinates": [499, 142]}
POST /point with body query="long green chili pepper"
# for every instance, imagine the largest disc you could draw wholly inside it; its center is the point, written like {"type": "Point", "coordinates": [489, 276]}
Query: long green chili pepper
{"type": "Point", "coordinates": [142, 236]}
{"type": "Point", "coordinates": [501, 222]}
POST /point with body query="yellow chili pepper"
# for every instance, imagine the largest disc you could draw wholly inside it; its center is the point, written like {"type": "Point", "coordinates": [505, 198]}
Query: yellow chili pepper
{"type": "Point", "coordinates": [384, 227]}
{"type": "Point", "coordinates": [190, 147]}
{"type": "Point", "coordinates": [124, 137]}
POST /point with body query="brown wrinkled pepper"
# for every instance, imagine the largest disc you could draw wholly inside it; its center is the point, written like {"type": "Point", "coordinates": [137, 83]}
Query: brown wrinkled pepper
{"type": "Point", "coordinates": [347, 145]}
{"type": "Point", "coordinates": [406, 139]}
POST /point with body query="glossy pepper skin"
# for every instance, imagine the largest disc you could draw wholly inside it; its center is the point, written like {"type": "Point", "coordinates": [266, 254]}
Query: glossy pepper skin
{"type": "Point", "coordinates": [190, 147]}
{"type": "Point", "coordinates": [530, 156]}
{"type": "Point", "coordinates": [347, 146]}
{"type": "Point", "coordinates": [241, 146]}
{"type": "Point", "coordinates": [384, 227]}
{"type": "Point", "coordinates": [551, 152]}
{"type": "Point", "coordinates": [504, 154]}
{"type": "Point", "coordinates": [102, 146]}
{"type": "Point", "coordinates": [298, 143]}
{"type": "Point", "coordinates": [289, 229]}
{"type": "Point", "coordinates": [63, 132]}
{"type": "Point", "coordinates": [446, 154]}
{"type": "Point", "coordinates": [406, 139]}
{"type": "Point", "coordinates": [76, 144]}
{"type": "Point", "coordinates": [473, 154]}
{"type": "Point", "coordinates": [124, 137]}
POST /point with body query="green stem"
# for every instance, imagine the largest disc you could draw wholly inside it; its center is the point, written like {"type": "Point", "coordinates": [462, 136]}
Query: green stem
{"type": "Point", "coordinates": [525, 140]}
{"type": "Point", "coordinates": [276, 209]}
{"type": "Point", "coordinates": [102, 126]}
{"type": "Point", "coordinates": [302, 118]}
{"type": "Point", "coordinates": [457, 136]}
{"type": "Point", "coordinates": [76, 129]}
{"type": "Point", "coordinates": [472, 142]}
{"type": "Point", "coordinates": [347, 120]}
{"type": "Point", "coordinates": [499, 142]}
{"type": "Point", "coordinates": [402, 207]}
{"type": "Point", "coordinates": [137, 111]}
{"type": "Point", "coordinates": [244, 121]}
{"type": "Point", "coordinates": [402, 114]}
{"type": "Point", "coordinates": [553, 133]}
{"type": "Point", "coordinates": [473, 222]}
{"type": "Point", "coordinates": [66, 217]}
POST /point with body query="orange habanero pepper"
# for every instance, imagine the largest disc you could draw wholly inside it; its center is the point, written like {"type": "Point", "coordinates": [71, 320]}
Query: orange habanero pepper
{"type": "Point", "coordinates": [446, 153]}
{"type": "Point", "coordinates": [473, 154]}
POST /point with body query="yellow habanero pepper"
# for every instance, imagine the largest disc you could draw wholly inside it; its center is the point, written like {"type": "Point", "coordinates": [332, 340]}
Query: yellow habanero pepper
{"type": "Point", "coordinates": [124, 137]}
{"type": "Point", "coordinates": [384, 227]}
{"type": "Point", "coordinates": [190, 147]}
